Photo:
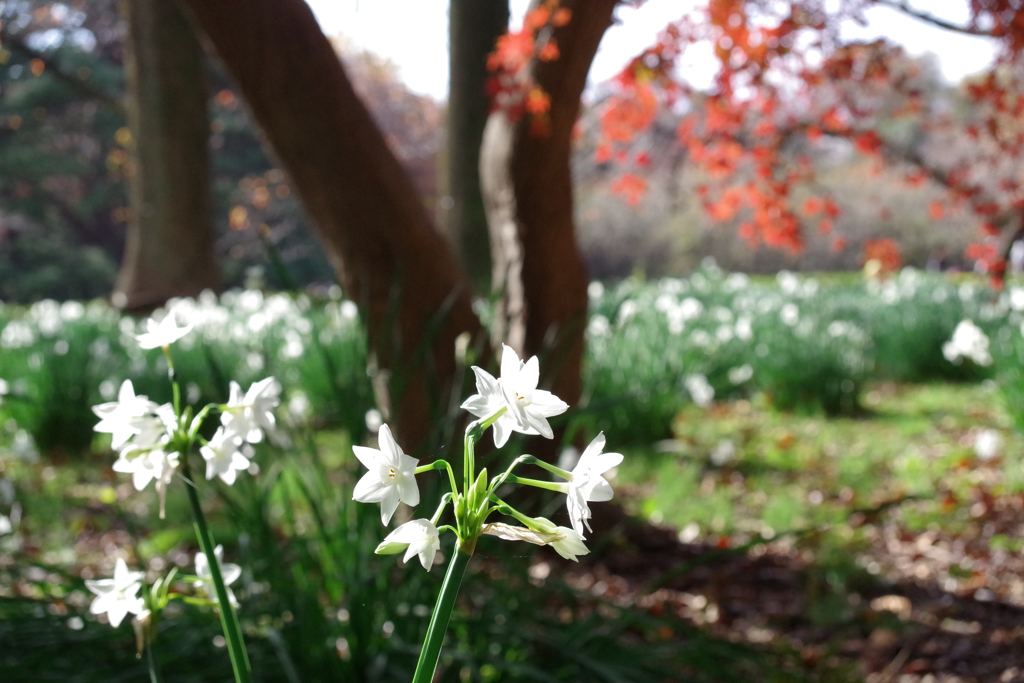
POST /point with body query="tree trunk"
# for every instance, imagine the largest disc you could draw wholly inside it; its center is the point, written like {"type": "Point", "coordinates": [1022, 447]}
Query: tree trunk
{"type": "Point", "coordinates": [473, 28]}
{"type": "Point", "coordinates": [390, 259]}
{"type": "Point", "coordinates": [527, 185]}
{"type": "Point", "coordinates": [169, 248]}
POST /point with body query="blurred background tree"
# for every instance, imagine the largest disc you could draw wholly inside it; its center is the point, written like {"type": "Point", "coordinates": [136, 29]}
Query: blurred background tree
{"type": "Point", "coordinates": [823, 152]}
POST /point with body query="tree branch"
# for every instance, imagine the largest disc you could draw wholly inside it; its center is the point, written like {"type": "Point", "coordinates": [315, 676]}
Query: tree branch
{"type": "Point", "coordinates": [939, 22]}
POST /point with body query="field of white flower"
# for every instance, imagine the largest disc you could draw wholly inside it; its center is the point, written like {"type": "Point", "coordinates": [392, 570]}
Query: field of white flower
{"type": "Point", "coordinates": [653, 348]}
{"type": "Point", "coordinates": [722, 389]}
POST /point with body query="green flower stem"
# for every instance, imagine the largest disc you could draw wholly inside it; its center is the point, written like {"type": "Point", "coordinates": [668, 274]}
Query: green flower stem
{"type": "Point", "coordinates": [445, 499]}
{"type": "Point", "coordinates": [197, 422]}
{"type": "Point", "coordinates": [228, 618]}
{"type": "Point", "coordinates": [564, 474]}
{"type": "Point", "coordinates": [173, 378]}
{"type": "Point", "coordinates": [506, 509]}
{"type": "Point", "coordinates": [154, 670]}
{"type": "Point", "coordinates": [475, 430]}
{"type": "Point", "coordinates": [468, 455]}
{"type": "Point", "coordinates": [442, 612]}
{"type": "Point", "coordinates": [499, 480]}
{"type": "Point", "coordinates": [440, 465]}
{"type": "Point", "coordinates": [548, 485]}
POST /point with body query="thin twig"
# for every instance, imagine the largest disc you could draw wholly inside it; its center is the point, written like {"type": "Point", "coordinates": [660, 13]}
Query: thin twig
{"type": "Point", "coordinates": [905, 8]}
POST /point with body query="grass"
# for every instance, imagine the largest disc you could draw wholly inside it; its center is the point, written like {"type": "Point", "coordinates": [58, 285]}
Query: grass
{"type": "Point", "coordinates": [907, 460]}
{"type": "Point", "coordinates": [817, 445]}
{"type": "Point", "coordinates": [790, 471]}
{"type": "Point", "coordinates": [856, 502]}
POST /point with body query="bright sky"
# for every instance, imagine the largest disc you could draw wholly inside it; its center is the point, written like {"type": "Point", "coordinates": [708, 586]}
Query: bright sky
{"type": "Point", "coordinates": [413, 34]}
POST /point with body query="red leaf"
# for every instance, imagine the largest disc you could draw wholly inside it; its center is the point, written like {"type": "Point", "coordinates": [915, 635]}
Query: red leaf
{"type": "Point", "coordinates": [549, 52]}
{"type": "Point", "coordinates": [537, 18]}
{"type": "Point", "coordinates": [538, 102]}
{"type": "Point", "coordinates": [632, 187]}
{"type": "Point", "coordinates": [813, 205]}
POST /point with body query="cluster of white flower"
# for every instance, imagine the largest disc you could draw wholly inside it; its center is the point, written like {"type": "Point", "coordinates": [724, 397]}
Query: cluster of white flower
{"type": "Point", "coordinates": [146, 434]}
{"type": "Point", "coordinates": [700, 390]}
{"type": "Point", "coordinates": [511, 403]}
{"type": "Point", "coordinates": [119, 596]}
{"type": "Point", "coordinates": [968, 342]}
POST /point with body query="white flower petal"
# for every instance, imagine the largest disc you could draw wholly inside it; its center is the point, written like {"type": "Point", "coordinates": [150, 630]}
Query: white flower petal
{"type": "Point", "coordinates": [599, 491]}
{"type": "Point", "coordinates": [529, 374]}
{"type": "Point", "coordinates": [486, 384]}
{"type": "Point", "coordinates": [502, 430]}
{"type": "Point", "coordinates": [408, 491]}
{"type": "Point", "coordinates": [389, 503]}
{"type": "Point", "coordinates": [510, 363]}
{"type": "Point", "coordinates": [369, 489]}
{"type": "Point", "coordinates": [547, 404]}
{"type": "Point", "coordinates": [570, 545]}
{"type": "Point", "coordinates": [369, 457]}
{"type": "Point", "coordinates": [389, 447]}
{"type": "Point", "coordinates": [480, 406]}
{"type": "Point", "coordinates": [604, 462]}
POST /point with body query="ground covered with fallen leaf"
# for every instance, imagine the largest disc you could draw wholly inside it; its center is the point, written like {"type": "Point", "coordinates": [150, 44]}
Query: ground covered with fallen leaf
{"type": "Point", "coordinates": [883, 547]}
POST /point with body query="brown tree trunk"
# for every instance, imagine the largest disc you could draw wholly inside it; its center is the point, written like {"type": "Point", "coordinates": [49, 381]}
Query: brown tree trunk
{"type": "Point", "coordinates": [473, 28]}
{"type": "Point", "coordinates": [390, 259]}
{"type": "Point", "coordinates": [527, 185]}
{"type": "Point", "coordinates": [169, 248]}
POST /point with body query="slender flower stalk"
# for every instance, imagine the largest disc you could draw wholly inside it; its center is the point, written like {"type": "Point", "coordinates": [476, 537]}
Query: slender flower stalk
{"type": "Point", "coordinates": [228, 617]}
{"type": "Point", "coordinates": [431, 652]}
{"type": "Point", "coordinates": [154, 669]}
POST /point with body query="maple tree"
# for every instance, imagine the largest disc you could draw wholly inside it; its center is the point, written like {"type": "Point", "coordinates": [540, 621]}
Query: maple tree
{"type": "Point", "coordinates": [786, 82]}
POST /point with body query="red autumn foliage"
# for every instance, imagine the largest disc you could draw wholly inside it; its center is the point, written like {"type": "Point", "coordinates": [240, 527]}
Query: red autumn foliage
{"type": "Point", "coordinates": [786, 79]}
{"type": "Point", "coordinates": [886, 252]}
{"type": "Point", "coordinates": [510, 86]}
{"type": "Point", "coordinates": [631, 187]}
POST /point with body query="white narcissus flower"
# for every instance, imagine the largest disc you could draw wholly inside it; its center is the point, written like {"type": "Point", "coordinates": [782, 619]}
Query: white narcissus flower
{"type": "Point", "coordinates": [119, 418]}
{"type": "Point", "coordinates": [508, 532]}
{"type": "Point", "coordinates": [151, 464]}
{"type": "Point", "coordinates": [416, 537]}
{"type": "Point", "coordinates": [565, 541]}
{"type": "Point", "coordinates": [968, 341]}
{"type": "Point", "coordinates": [527, 406]}
{"type": "Point", "coordinates": [987, 444]}
{"type": "Point", "coordinates": [228, 571]}
{"type": "Point", "coordinates": [251, 414]}
{"type": "Point", "coordinates": [586, 483]}
{"type": "Point", "coordinates": [700, 390]}
{"type": "Point", "coordinates": [146, 456]}
{"type": "Point", "coordinates": [392, 476]}
{"type": "Point", "coordinates": [155, 428]}
{"type": "Point", "coordinates": [223, 457]}
{"type": "Point", "coordinates": [570, 545]}
{"type": "Point", "coordinates": [118, 596]}
{"type": "Point", "coordinates": [161, 334]}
